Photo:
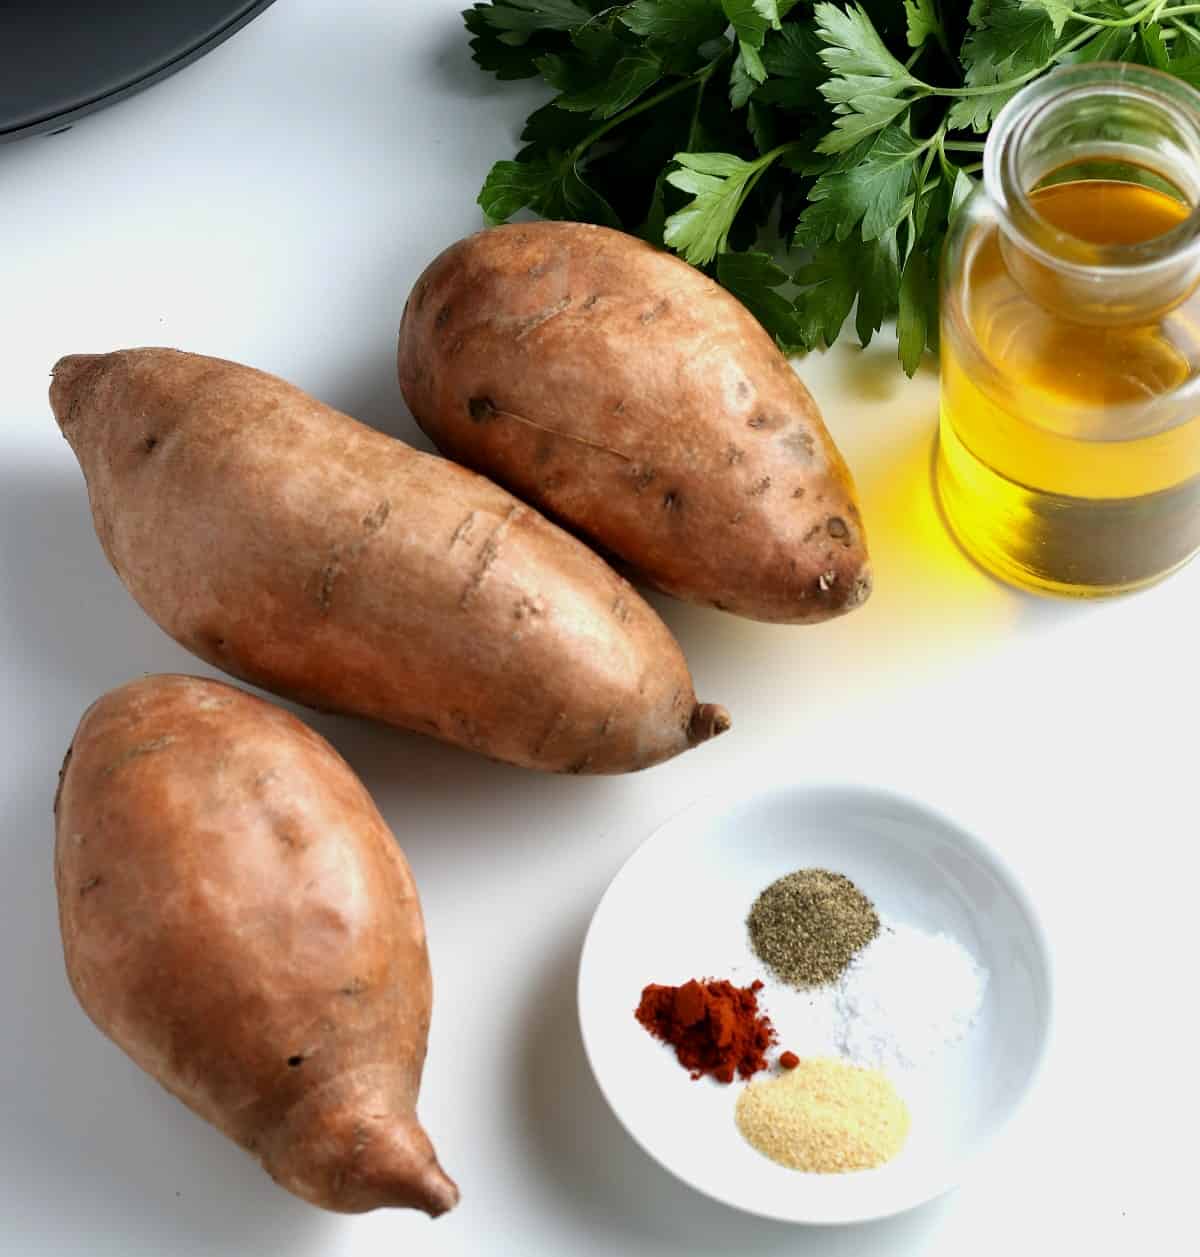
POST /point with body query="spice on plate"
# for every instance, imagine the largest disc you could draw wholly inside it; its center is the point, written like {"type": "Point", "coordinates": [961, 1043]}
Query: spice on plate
{"type": "Point", "coordinates": [906, 997]}
{"type": "Point", "coordinates": [716, 1028]}
{"type": "Point", "coordinates": [808, 926]}
{"type": "Point", "coordinates": [825, 1116]}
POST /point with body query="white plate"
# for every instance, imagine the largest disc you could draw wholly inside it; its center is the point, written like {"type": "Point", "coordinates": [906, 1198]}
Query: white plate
{"type": "Point", "coordinates": [677, 910]}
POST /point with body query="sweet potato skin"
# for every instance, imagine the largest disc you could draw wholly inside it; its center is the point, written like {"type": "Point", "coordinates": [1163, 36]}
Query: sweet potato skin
{"type": "Point", "coordinates": [633, 399]}
{"type": "Point", "coordinates": [304, 552]}
{"type": "Point", "coordinates": [238, 918]}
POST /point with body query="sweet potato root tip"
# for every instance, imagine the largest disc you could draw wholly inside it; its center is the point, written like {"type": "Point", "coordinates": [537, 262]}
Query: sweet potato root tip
{"type": "Point", "coordinates": [438, 1191]}
{"type": "Point", "coordinates": [398, 1168]}
{"type": "Point", "coordinates": [709, 720]}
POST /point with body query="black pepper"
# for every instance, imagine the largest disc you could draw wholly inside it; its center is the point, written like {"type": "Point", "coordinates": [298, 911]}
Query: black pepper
{"type": "Point", "coordinates": [808, 926]}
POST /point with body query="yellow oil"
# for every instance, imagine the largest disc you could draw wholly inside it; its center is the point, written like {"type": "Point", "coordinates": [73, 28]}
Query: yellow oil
{"type": "Point", "coordinates": [1050, 471]}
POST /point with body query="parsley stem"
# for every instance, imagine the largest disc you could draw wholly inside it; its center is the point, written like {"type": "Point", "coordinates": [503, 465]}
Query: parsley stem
{"type": "Point", "coordinates": [701, 83]}
{"type": "Point", "coordinates": [1147, 10]}
{"type": "Point", "coordinates": [965, 146]}
{"type": "Point", "coordinates": [1154, 9]}
{"type": "Point", "coordinates": [1187, 32]}
{"type": "Point", "coordinates": [760, 168]}
{"type": "Point", "coordinates": [988, 89]}
{"type": "Point", "coordinates": [599, 17]}
{"type": "Point", "coordinates": [641, 106]}
{"type": "Point", "coordinates": [932, 147]}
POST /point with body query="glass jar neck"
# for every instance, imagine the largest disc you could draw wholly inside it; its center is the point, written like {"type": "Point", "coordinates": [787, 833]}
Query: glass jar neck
{"type": "Point", "coordinates": [1114, 122]}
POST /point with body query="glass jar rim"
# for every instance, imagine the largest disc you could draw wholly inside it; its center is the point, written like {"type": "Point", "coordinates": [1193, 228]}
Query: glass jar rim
{"type": "Point", "coordinates": [1014, 203]}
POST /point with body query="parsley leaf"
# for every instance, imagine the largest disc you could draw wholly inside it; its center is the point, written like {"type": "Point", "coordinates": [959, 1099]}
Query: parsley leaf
{"type": "Point", "coordinates": [1114, 44]}
{"type": "Point", "coordinates": [845, 118]}
{"type": "Point", "coordinates": [754, 279]}
{"type": "Point", "coordinates": [761, 124]}
{"type": "Point", "coordinates": [1014, 40]}
{"type": "Point", "coordinates": [872, 192]}
{"type": "Point", "coordinates": [916, 320]}
{"type": "Point", "coordinates": [512, 186]}
{"type": "Point", "coordinates": [878, 282]}
{"type": "Point", "coordinates": [719, 184]}
{"type": "Point", "coordinates": [685, 34]}
{"type": "Point", "coordinates": [655, 222]}
{"type": "Point", "coordinates": [838, 274]}
{"type": "Point", "coordinates": [1154, 48]}
{"type": "Point", "coordinates": [1059, 12]}
{"type": "Point", "coordinates": [867, 83]}
{"type": "Point", "coordinates": [496, 55]}
{"type": "Point", "coordinates": [964, 185]}
{"type": "Point", "coordinates": [551, 186]}
{"type": "Point", "coordinates": [743, 80]}
{"type": "Point", "coordinates": [751, 19]}
{"type": "Point", "coordinates": [923, 22]}
{"type": "Point", "coordinates": [1187, 68]}
{"type": "Point", "coordinates": [691, 22]}
{"type": "Point", "coordinates": [853, 46]}
{"type": "Point", "coordinates": [520, 18]}
{"type": "Point", "coordinates": [585, 63]}
{"type": "Point", "coordinates": [830, 283]}
{"type": "Point", "coordinates": [794, 68]}
{"type": "Point", "coordinates": [629, 77]}
{"type": "Point", "coordinates": [552, 128]}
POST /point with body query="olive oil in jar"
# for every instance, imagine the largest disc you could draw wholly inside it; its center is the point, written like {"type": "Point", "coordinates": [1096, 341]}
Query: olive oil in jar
{"type": "Point", "coordinates": [1069, 453]}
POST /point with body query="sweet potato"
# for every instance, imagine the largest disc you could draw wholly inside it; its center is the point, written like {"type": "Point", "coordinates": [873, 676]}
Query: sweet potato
{"type": "Point", "coordinates": [237, 917]}
{"type": "Point", "coordinates": [302, 551]}
{"type": "Point", "coordinates": [634, 400]}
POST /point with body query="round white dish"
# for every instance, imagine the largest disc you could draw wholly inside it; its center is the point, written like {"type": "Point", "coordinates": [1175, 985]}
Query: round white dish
{"type": "Point", "coordinates": [677, 910]}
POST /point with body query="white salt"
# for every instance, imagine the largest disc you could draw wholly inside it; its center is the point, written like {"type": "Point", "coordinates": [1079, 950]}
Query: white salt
{"type": "Point", "coordinates": [905, 997]}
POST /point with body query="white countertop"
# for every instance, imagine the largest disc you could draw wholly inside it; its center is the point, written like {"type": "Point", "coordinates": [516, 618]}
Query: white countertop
{"type": "Point", "coordinates": [272, 204]}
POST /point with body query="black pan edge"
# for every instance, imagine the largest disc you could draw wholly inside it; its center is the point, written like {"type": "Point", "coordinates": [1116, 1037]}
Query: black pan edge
{"type": "Point", "coordinates": [63, 120]}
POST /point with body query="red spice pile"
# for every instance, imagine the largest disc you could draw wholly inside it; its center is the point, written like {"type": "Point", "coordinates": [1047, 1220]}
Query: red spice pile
{"type": "Point", "coordinates": [715, 1027]}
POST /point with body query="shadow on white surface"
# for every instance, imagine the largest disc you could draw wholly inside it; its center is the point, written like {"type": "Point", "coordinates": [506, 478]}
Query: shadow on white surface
{"type": "Point", "coordinates": [90, 1146]}
{"type": "Point", "coordinates": [465, 80]}
{"type": "Point", "coordinates": [583, 1151]}
{"type": "Point", "coordinates": [933, 613]}
{"type": "Point", "coordinates": [872, 375]}
{"type": "Point", "coordinates": [451, 802]}
{"type": "Point", "coordinates": [64, 613]}
{"type": "Point", "coordinates": [369, 389]}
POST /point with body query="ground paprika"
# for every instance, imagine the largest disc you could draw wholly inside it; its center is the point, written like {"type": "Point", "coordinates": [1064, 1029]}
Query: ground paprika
{"type": "Point", "coordinates": [715, 1027]}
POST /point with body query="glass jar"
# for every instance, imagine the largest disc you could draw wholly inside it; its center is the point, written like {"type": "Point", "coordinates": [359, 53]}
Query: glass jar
{"type": "Point", "coordinates": [1069, 451]}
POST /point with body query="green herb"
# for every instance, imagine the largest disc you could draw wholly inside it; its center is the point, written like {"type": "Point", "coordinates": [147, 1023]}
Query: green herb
{"type": "Point", "coordinates": [808, 926]}
{"type": "Point", "coordinates": [808, 156]}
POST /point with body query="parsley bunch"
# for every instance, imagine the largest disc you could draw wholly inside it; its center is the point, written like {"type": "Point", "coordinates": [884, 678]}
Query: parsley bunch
{"type": "Point", "coordinates": [734, 131]}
